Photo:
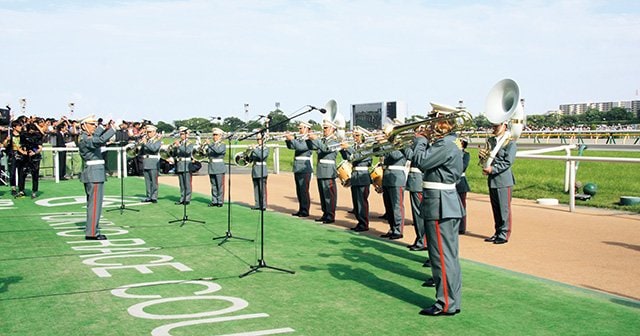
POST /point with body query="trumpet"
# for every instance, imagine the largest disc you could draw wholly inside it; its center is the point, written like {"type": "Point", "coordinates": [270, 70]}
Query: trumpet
{"type": "Point", "coordinates": [402, 136]}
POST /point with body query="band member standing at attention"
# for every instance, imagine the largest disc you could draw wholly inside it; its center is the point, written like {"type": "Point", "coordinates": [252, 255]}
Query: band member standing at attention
{"type": "Point", "coordinates": [182, 151]}
{"type": "Point", "coordinates": [360, 181]}
{"type": "Point", "coordinates": [326, 173]}
{"type": "Point", "coordinates": [259, 173]}
{"type": "Point", "coordinates": [441, 164]}
{"type": "Point", "coordinates": [463, 186]}
{"type": "Point", "coordinates": [501, 181]}
{"type": "Point", "coordinates": [302, 168]}
{"type": "Point", "coordinates": [216, 152]}
{"type": "Point", "coordinates": [92, 138]}
{"type": "Point", "coordinates": [149, 149]}
{"type": "Point", "coordinates": [393, 182]}
{"type": "Point", "coordinates": [414, 185]}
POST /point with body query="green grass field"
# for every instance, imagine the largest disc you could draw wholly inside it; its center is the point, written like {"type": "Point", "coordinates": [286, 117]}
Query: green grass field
{"type": "Point", "coordinates": [53, 282]}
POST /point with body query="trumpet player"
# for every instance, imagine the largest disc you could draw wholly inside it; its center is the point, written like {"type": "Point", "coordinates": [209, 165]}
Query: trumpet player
{"type": "Point", "coordinates": [394, 179]}
{"type": "Point", "coordinates": [302, 168]}
{"type": "Point", "coordinates": [414, 185]}
{"type": "Point", "coordinates": [360, 181]}
{"type": "Point", "coordinates": [326, 172]}
{"type": "Point", "coordinates": [182, 150]}
{"type": "Point", "coordinates": [500, 180]}
{"type": "Point", "coordinates": [215, 151]}
{"type": "Point", "coordinates": [259, 172]}
{"type": "Point", "coordinates": [441, 165]}
{"type": "Point", "coordinates": [149, 149]}
{"type": "Point", "coordinates": [92, 138]}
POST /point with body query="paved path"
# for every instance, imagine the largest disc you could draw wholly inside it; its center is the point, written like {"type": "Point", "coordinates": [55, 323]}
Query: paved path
{"type": "Point", "coordinates": [591, 248]}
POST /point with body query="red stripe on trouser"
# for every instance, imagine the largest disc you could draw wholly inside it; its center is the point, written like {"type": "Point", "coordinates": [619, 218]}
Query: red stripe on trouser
{"type": "Point", "coordinates": [366, 205]}
{"type": "Point", "coordinates": [332, 196]}
{"type": "Point", "coordinates": [223, 188]}
{"type": "Point", "coordinates": [95, 205]}
{"type": "Point", "coordinates": [509, 207]}
{"type": "Point", "coordinates": [424, 235]}
{"type": "Point", "coordinates": [443, 281]}
{"type": "Point", "coordinates": [265, 193]}
{"type": "Point", "coordinates": [401, 210]}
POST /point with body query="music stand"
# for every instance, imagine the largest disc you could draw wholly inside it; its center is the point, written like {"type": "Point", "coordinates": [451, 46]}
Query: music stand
{"type": "Point", "coordinates": [228, 235]}
{"type": "Point", "coordinates": [261, 262]}
{"type": "Point", "coordinates": [122, 206]}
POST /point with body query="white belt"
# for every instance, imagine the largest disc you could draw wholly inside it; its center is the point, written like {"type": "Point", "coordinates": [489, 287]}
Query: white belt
{"type": "Point", "coordinates": [152, 156]}
{"type": "Point", "coordinates": [305, 158]}
{"type": "Point", "coordinates": [94, 162]}
{"type": "Point", "coordinates": [361, 168]}
{"type": "Point", "coordinates": [415, 170]}
{"type": "Point", "coordinates": [395, 167]}
{"type": "Point", "coordinates": [260, 163]}
{"type": "Point", "coordinates": [327, 161]}
{"type": "Point", "coordinates": [438, 185]}
{"type": "Point", "coordinates": [184, 159]}
{"type": "Point", "coordinates": [216, 160]}
{"type": "Point", "coordinates": [463, 174]}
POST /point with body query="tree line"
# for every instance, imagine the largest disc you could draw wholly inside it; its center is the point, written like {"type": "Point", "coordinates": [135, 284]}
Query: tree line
{"type": "Point", "coordinates": [591, 118]}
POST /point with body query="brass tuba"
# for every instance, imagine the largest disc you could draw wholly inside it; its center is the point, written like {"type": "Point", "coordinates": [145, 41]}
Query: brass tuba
{"type": "Point", "coordinates": [503, 105]}
{"type": "Point", "coordinates": [335, 117]}
{"type": "Point", "coordinates": [242, 158]}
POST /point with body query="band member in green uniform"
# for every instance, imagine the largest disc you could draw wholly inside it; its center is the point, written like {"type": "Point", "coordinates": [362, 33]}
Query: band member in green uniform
{"type": "Point", "coordinates": [414, 185]}
{"type": "Point", "coordinates": [393, 182]}
{"type": "Point", "coordinates": [327, 149]}
{"type": "Point", "coordinates": [182, 150]}
{"type": "Point", "coordinates": [216, 151]}
{"type": "Point", "coordinates": [462, 187]}
{"type": "Point", "coordinates": [92, 138]}
{"type": "Point", "coordinates": [149, 149]}
{"type": "Point", "coordinates": [302, 169]}
{"type": "Point", "coordinates": [258, 158]}
{"type": "Point", "coordinates": [441, 165]}
{"type": "Point", "coordinates": [500, 180]}
{"type": "Point", "coordinates": [360, 181]}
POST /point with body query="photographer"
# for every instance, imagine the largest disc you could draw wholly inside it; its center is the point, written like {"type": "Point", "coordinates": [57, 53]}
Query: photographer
{"type": "Point", "coordinates": [31, 142]}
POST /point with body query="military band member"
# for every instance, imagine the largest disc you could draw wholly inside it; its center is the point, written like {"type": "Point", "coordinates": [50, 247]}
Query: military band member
{"type": "Point", "coordinates": [182, 151]}
{"type": "Point", "coordinates": [259, 172]}
{"type": "Point", "coordinates": [326, 173]}
{"type": "Point", "coordinates": [360, 181]}
{"type": "Point", "coordinates": [92, 138]}
{"type": "Point", "coordinates": [394, 179]}
{"type": "Point", "coordinates": [216, 152]}
{"type": "Point", "coordinates": [500, 180]}
{"type": "Point", "coordinates": [302, 168]}
{"type": "Point", "coordinates": [414, 185]}
{"type": "Point", "coordinates": [441, 164]}
{"type": "Point", "coordinates": [462, 187]}
{"type": "Point", "coordinates": [149, 149]}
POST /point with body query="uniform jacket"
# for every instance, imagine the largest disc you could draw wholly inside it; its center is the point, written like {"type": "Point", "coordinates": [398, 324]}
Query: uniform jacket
{"type": "Point", "coordinates": [441, 162]}
{"type": "Point", "coordinates": [149, 151]}
{"type": "Point", "coordinates": [182, 154]}
{"type": "Point", "coordinates": [358, 177]}
{"type": "Point", "coordinates": [258, 157]}
{"type": "Point", "coordinates": [394, 174]}
{"type": "Point", "coordinates": [89, 148]}
{"type": "Point", "coordinates": [300, 150]}
{"type": "Point", "coordinates": [414, 179]}
{"type": "Point", "coordinates": [501, 175]}
{"type": "Point", "coordinates": [327, 153]}
{"type": "Point", "coordinates": [216, 152]}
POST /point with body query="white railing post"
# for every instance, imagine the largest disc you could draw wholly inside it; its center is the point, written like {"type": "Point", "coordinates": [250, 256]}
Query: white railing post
{"type": "Point", "coordinates": [56, 163]}
{"type": "Point", "coordinates": [572, 185]}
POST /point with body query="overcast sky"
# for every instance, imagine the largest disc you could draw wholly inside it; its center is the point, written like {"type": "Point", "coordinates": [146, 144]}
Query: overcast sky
{"type": "Point", "coordinates": [173, 60]}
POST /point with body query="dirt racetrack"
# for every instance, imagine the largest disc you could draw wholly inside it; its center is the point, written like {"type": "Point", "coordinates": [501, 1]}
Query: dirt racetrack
{"type": "Point", "coordinates": [590, 248]}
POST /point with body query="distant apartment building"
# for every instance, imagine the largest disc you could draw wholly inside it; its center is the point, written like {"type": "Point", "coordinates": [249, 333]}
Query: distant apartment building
{"type": "Point", "coordinates": [632, 106]}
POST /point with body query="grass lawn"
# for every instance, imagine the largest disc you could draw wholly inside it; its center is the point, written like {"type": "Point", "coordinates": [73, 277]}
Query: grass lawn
{"type": "Point", "coordinates": [53, 282]}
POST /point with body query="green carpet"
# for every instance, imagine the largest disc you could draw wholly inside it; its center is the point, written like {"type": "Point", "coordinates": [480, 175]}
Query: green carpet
{"type": "Point", "coordinates": [53, 282]}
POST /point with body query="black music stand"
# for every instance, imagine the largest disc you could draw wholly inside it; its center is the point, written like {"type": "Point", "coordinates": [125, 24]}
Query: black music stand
{"type": "Point", "coordinates": [228, 235]}
{"type": "Point", "coordinates": [122, 206]}
{"type": "Point", "coordinates": [261, 262]}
